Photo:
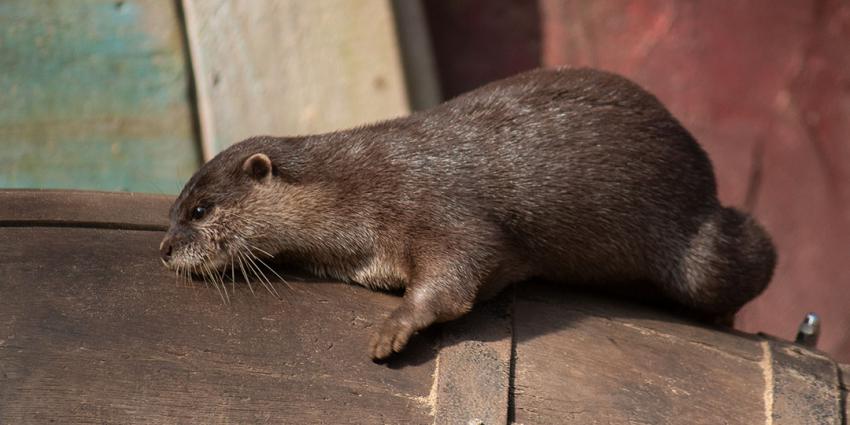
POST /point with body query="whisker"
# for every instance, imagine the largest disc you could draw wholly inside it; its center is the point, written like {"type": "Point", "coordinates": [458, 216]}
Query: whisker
{"type": "Point", "coordinates": [261, 250]}
{"type": "Point", "coordinates": [275, 273]}
{"type": "Point", "coordinates": [208, 273]}
{"type": "Point", "coordinates": [187, 276]}
{"type": "Point", "coordinates": [203, 276]}
{"type": "Point", "coordinates": [262, 276]}
{"type": "Point", "coordinates": [220, 274]}
{"type": "Point", "coordinates": [232, 276]}
{"type": "Point", "coordinates": [252, 268]}
{"type": "Point", "coordinates": [245, 275]}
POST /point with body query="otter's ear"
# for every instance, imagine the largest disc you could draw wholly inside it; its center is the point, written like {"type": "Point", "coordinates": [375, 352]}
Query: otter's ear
{"type": "Point", "coordinates": [258, 166]}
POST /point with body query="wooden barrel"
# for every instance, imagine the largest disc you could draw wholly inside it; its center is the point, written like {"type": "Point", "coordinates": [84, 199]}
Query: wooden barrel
{"type": "Point", "coordinates": [94, 329]}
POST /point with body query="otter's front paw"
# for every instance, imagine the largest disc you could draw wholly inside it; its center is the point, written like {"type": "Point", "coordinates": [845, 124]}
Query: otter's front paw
{"type": "Point", "coordinates": [392, 337]}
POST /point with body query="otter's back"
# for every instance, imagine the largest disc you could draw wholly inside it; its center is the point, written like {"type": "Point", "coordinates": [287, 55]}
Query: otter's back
{"type": "Point", "coordinates": [568, 153]}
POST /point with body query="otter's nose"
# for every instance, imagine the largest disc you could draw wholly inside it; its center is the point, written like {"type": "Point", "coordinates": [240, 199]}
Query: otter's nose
{"type": "Point", "coordinates": [165, 250]}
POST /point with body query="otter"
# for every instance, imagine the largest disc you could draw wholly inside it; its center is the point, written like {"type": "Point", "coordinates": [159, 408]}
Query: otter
{"type": "Point", "coordinates": [567, 175]}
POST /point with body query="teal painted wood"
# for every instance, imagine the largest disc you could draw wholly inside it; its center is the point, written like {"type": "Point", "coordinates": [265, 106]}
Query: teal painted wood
{"type": "Point", "coordinates": [94, 95]}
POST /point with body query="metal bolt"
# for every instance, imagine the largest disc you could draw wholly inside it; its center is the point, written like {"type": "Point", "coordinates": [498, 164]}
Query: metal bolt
{"type": "Point", "coordinates": [809, 331]}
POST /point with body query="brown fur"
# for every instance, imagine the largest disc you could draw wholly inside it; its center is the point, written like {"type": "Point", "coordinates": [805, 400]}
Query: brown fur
{"type": "Point", "coordinates": [570, 175]}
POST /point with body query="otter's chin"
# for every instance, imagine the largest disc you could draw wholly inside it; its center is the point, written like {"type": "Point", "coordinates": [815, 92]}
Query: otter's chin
{"type": "Point", "coordinates": [213, 262]}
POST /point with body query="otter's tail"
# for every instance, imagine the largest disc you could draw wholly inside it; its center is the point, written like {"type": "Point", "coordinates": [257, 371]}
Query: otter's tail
{"type": "Point", "coordinates": [729, 261]}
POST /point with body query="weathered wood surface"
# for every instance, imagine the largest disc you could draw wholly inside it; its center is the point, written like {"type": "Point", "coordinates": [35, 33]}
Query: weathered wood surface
{"type": "Point", "coordinates": [288, 67]}
{"type": "Point", "coordinates": [119, 210]}
{"type": "Point", "coordinates": [94, 329]}
{"type": "Point", "coordinates": [94, 95]}
{"type": "Point", "coordinates": [473, 376]}
{"type": "Point", "coordinates": [580, 359]}
{"type": "Point", "coordinates": [806, 387]}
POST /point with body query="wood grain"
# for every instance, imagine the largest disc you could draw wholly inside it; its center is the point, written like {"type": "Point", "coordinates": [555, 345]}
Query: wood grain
{"type": "Point", "coordinates": [94, 95]}
{"type": "Point", "coordinates": [66, 208]}
{"type": "Point", "coordinates": [623, 366]}
{"type": "Point", "coordinates": [94, 329]}
{"type": "Point", "coordinates": [806, 387]}
{"type": "Point", "coordinates": [474, 370]}
{"type": "Point", "coordinates": [292, 67]}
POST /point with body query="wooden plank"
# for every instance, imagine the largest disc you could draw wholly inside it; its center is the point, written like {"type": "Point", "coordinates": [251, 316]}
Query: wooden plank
{"type": "Point", "coordinates": [94, 95]}
{"type": "Point", "coordinates": [84, 209]}
{"type": "Point", "coordinates": [574, 365]}
{"type": "Point", "coordinates": [288, 67]}
{"type": "Point", "coordinates": [94, 330]}
{"type": "Point", "coordinates": [646, 319]}
{"type": "Point", "coordinates": [474, 366]}
{"type": "Point", "coordinates": [806, 387]}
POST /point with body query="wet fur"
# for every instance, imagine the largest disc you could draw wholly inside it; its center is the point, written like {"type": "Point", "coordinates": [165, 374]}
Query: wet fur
{"type": "Point", "coordinates": [570, 175]}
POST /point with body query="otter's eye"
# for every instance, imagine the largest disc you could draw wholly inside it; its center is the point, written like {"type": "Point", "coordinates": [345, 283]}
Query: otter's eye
{"type": "Point", "coordinates": [198, 212]}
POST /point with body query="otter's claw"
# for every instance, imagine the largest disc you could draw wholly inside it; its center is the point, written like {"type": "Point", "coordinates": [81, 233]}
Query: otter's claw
{"type": "Point", "coordinates": [392, 338]}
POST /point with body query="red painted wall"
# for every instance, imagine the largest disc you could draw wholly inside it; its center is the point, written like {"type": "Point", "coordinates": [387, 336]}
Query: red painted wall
{"type": "Point", "coordinates": [764, 85]}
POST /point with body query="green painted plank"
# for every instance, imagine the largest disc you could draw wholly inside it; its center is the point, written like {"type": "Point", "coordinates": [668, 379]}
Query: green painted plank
{"type": "Point", "coordinates": [94, 95]}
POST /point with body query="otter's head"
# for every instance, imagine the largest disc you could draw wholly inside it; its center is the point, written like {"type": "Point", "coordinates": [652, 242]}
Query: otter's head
{"type": "Point", "coordinates": [240, 204]}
